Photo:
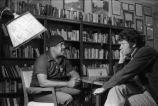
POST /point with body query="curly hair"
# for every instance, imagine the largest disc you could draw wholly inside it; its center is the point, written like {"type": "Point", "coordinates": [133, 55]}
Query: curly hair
{"type": "Point", "coordinates": [132, 36]}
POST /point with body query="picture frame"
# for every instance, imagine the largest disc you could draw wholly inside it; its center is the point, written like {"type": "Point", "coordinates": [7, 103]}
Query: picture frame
{"type": "Point", "coordinates": [148, 20]}
{"type": "Point", "coordinates": [55, 3]}
{"type": "Point", "coordinates": [125, 6]}
{"type": "Point", "coordinates": [129, 16]}
{"type": "Point", "coordinates": [149, 33]}
{"type": "Point", "coordinates": [128, 19]}
{"type": "Point", "coordinates": [147, 10]}
{"type": "Point", "coordinates": [75, 5]}
{"type": "Point", "coordinates": [139, 25]}
{"type": "Point", "coordinates": [138, 9]}
{"type": "Point", "coordinates": [131, 7]}
{"type": "Point", "coordinates": [149, 27]}
{"type": "Point", "coordinates": [116, 7]}
{"type": "Point", "coordinates": [100, 7]}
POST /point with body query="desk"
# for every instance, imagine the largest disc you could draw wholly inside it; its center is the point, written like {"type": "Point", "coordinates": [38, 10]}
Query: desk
{"type": "Point", "coordinates": [93, 81]}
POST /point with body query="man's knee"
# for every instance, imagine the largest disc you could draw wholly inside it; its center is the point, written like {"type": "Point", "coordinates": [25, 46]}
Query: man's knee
{"type": "Point", "coordinates": [63, 98]}
{"type": "Point", "coordinates": [116, 96]}
{"type": "Point", "coordinates": [119, 88]}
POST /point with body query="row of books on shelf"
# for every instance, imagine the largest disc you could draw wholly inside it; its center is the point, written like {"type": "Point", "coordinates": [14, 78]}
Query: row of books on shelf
{"type": "Point", "coordinates": [46, 10]}
{"type": "Point", "coordinates": [72, 35]}
{"type": "Point", "coordinates": [94, 53]}
{"type": "Point", "coordinates": [71, 53]}
{"type": "Point", "coordinates": [116, 54]}
{"type": "Point", "coordinates": [12, 71]}
{"type": "Point", "coordinates": [10, 86]}
{"type": "Point", "coordinates": [10, 78]}
{"type": "Point", "coordinates": [49, 10]}
{"type": "Point", "coordinates": [9, 101]}
{"type": "Point", "coordinates": [26, 52]}
{"type": "Point", "coordinates": [102, 19]}
{"type": "Point", "coordinates": [95, 37]}
{"type": "Point", "coordinates": [104, 68]}
{"type": "Point", "coordinates": [115, 38]}
{"type": "Point", "coordinates": [9, 71]}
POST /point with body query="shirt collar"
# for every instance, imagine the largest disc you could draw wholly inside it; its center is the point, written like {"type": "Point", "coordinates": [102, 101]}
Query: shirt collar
{"type": "Point", "coordinates": [50, 58]}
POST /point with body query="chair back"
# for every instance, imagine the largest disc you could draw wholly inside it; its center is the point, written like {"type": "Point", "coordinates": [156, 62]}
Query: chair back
{"type": "Point", "coordinates": [27, 77]}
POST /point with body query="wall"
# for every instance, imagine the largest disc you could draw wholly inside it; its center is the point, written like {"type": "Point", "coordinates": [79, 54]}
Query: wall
{"type": "Point", "coordinates": [155, 21]}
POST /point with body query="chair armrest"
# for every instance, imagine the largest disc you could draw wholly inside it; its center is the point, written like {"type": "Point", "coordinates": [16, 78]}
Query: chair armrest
{"type": "Point", "coordinates": [38, 90]}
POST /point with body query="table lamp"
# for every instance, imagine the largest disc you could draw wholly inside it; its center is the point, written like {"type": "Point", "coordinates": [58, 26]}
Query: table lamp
{"type": "Point", "coordinates": [24, 28]}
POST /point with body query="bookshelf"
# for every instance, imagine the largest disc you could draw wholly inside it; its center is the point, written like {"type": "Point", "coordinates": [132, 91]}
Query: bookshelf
{"type": "Point", "coordinates": [90, 43]}
{"type": "Point", "coordinates": [10, 86]}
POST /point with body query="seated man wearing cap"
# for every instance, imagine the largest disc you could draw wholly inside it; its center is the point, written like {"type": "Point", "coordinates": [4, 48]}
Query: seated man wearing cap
{"type": "Point", "coordinates": [49, 70]}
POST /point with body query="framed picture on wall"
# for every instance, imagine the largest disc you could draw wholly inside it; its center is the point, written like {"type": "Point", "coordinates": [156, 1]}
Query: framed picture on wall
{"type": "Point", "coordinates": [100, 7]}
{"type": "Point", "coordinates": [147, 10]}
{"type": "Point", "coordinates": [148, 20]}
{"type": "Point", "coordinates": [139, 25]}
{"type": "Point", "coordinates": [149, 33]}
{"type": "Point", "coordinates": [128, 18]}
{"type": "Point", "coordinates": [55, 3]}
{"type": "Point", "coordinates": [131, 7]}
{"type": "Point", "coordinates": [75, 5]}
{"type": "Point", "coordinates": [125, 6]}
{"type": "Point", "coordinates": [116, 7]}
{"type": "Point", "coordinates": [149, 27]}
{"type": "Point", "coordinates": [138, 9]}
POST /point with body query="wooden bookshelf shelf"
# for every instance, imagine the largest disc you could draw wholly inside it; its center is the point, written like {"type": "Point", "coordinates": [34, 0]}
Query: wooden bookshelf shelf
{"type": "Point", "coordinates": [12, 79]}
{"type": "Point", "coordinates": [11, 95]}
{"type": "Point", "coordinates": [63, 20]}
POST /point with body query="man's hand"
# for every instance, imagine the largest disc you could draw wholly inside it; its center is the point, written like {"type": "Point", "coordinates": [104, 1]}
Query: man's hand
{"type": "Point", "coordinates": [71, 83]}
{"type": "Point", "coordinates": [122, 56]}
{"type": "Point", "coordinates": [98, 91]}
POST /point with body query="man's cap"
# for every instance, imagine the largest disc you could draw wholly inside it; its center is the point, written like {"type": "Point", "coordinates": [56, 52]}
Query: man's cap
{"type": "Point", "coordinates": [54, 40]}
{"type": "Point", "coordinates": [6, 15]}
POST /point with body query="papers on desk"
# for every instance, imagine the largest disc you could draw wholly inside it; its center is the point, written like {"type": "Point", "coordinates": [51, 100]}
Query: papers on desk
{"type": "Point", "coordinates": [95, 80]}
{"type": "Point", "coordinates": [97, 72]}
{"type": "Point", "coordinates": [97, 75]}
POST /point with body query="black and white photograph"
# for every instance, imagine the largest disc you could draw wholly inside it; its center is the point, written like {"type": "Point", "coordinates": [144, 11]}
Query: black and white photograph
{"type": "Point", "coordinates": [78, 52]}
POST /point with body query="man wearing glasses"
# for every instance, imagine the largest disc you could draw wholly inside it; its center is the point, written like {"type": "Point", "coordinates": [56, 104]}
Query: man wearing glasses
{"type": "Point", "coordinates": [51, 70]}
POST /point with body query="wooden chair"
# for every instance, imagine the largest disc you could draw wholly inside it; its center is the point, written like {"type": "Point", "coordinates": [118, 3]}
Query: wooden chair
{"type": "Point", "coordinates": [26, 76]}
